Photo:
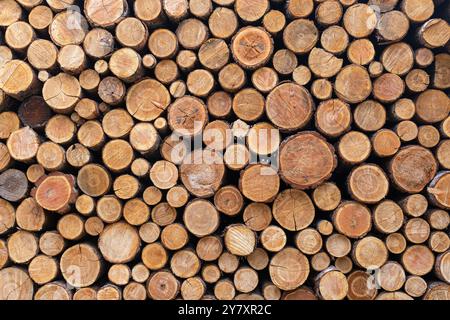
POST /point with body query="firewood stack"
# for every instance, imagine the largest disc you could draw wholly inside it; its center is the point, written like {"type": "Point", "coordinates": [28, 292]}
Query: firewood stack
{"type": "Point", "coordinates": [224, 149]}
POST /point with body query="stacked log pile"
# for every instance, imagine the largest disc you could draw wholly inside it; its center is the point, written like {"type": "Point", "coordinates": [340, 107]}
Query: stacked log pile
{"type": "Point", "coordinates": [224, 149]}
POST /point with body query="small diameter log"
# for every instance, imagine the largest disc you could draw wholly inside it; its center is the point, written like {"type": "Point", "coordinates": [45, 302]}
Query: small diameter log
{"type": "Point", "coordinates": [245, 279]}
{"type": "Point", "coordinates": [210, 273]}
{"type": "Point", "coordinates": [289, 269]}
{"type": "Point", "coordinates": [202, 172]}
{"type": "Point", "coordinates": [265, 79]}
{"type": "Point", "coordinates": [106, 14]}
{"type": "Point", "coordinates": [259, 183]}
{"type": "Point", "coordinates": [72, 59]}
{"type": "Point", "coordinates": [331, 284]}
{"type": "Point", "coordinates": [174, 236]}
{"type": "Point", "coordinates": [219, 104]}
{"type": "Point", "coordinates": [337, 245]}
{"type": "Point", "coordinates": [360, 286]}
{"type": "Point", "coordinates": [134, 291]}
{"type": "Point", "coordinates": [251, 13]}
{"type": "Point", "coordinates": [328, 12]}
{"type": "Point", "coordinates": [257, 216]}
{"type": "Point", "coordinates": [117, 123]}
{"type": "Point", "coordinates": [201, 217]}
{"type": "Point", "coordinates": [51, 243]}
{"type": "Point", "coordinates": [273, 238]}
{"type": "Point", "coordinates": [147, 99]}
{"type": "Point", "coordinates": [55, 192]}
{"type": "Point", "coordinates": [284, 61]}
{"type": "Point", "coordinates": [334, 39]}
{"type": "Point", "coordinates": [22, 247]}
{"type": "Point", "coordinates": [19, 35]}
{"type": "Point", "coordinates": [193, 288]}
{"type": "Point", "coordinates": [258, 259]}
{"type": "Point", "coordinates": [63, 32]}
{"type": "Point", "coordinates": [94, 226]}
{"type": "Point", "coordinates": [300, 36]}
{"type": "Point", "coordinates": [13, 185]}
{"type": "Point", "coordinates": [9, 122]}
{"type": "Point", "coordinates": [352, 219]}
{"type": "Point", "coordinates": [323, 64]}
{"type": "Point", "coordinates": [370, 116]}
{"type": "Point", "coordinates": [388, 217]}
{"type": "Point", "coordinates": [149, 232]}
{"type": "Point", "coordinates": [327, 196]}
{"type": "Point", "coordinates": [42, 54]}
{"type": "Point", "coordinates": [280, 111]}
{"type": "Point", "coordinates": [30, 216]}
{"type": "Point", "coordinates": [441, 71]}
{"type": "Point", "coordinates": [152, 195]}
{"type": "Point", "coordinates": [442, 266]}
{"type": "Point", "coordinates": [228, 262]}
{"type": "Point", "coordinates": [40, 18]}
{"type": "Point", "coordinates": [274, 21]}
{"type": "Point", "coordinates": [360, 20]}
{"type": "Point", "coordinates": [439, 241]}
{"type": "Point", "coordinates": [18, 80]}
{"type": "Point", "coordinates": [93, 180]}
{"type": "Point", "coordinates": [293, 210]}
{"type": "Point", "coordinates": [209, 248]}
{"type": "Point", "coordinates": [354, 147]}
{"type": "Point", "coordinates": [370, 252]}
{"type": "Point", "coordinates": [434, 33]}
{"type": "Point", "coordinates": [126, 64]}
{"type": "Point", "coordinates": [385, 143]}
{"type": "Point", "coordinates": [60, 129]}
{"type": "Point", "coordinates": [297, 168]}
{"type": "Point", "coordinates": [176, 10]}
{"type": "Point", "coordinates": [428, 137]}
{"type": "Point", "coordinates": [62, 92]}
{"type": "Point", "coordinates": [51, 156]}
{"type": "Point", "coordinates": [119, 242]}
{"type": "Point", "coordinates": [191, 33]}
{"type": "Point", "coordinates": [71, 227]}
{"type": "Point", "coordinates": [388, 87]}
{"type": "Point", "coordinates": [418, 167]}
{"type": "Point", "coordinates": [333, 117]}
{"type": "Point", "coordinates": [359, 187]}
{"type": "Point", "coordinates": [186, 60]}
{"type": "Point", "coordinates": [223, 23]}
{"type": "Point", "coordinates": [34, 112]}
{"type": "Point", "coordinates": [132, 33]}
{"type": "Point", "coordinates": [163, 214]}
{"type": "Point", "coordinates": [432, 106]}
{"type": "Point", "coordinates": [353, 84]}
{"type": "Point", "coordinates": [437, 190]}
{"type": "Point", "coordinates": [392, 26]}
{"type": "Point", "coordinates": [11, 12]}
{"type": "Point", "coordinates": [229, 200]}
{"type": "Point", "coordinates": [15, 284]}
{"type": "Point", "coordinates": [7, 216]}
{"type": "Point", "coordinates": [109, 292]}
{"type": "Point", "coordinates": [438, 219]}
{"type": "Point", "coordinates": [80, 265]}
{"type": "Point", "coordinates": [224, 290]}
{"type": "Point", "coordinates": [98, 44]}
{"type": "Point", "coordinates": [248, 104]}
{"type": "Point", "coordinates": [200, 82]}
{"type": "Point", "coordinates": [163, 285]}
{"type": "Point", "coordinates": [243, 47]}
{"type": "Point", "coordinates": [415, 286]}
{"type": "Point", "coordinates": [78, 155]}
{"type": "Point", "coordinates": [232, 77]}
{"type": "Point", "coordinates": [418, 260]}
{"type": "Point", "coordinates": [126, 186]}
{"type": "Point", "coordinates": [396, 243]}
{"type": "Point", "coordinates": [309, 241]}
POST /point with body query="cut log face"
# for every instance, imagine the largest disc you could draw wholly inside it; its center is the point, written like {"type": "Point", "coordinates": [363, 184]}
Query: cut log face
{"type": "Point", "coordinates": [306, 160]}
{"type": "Point", "coordinates": [224, 149]}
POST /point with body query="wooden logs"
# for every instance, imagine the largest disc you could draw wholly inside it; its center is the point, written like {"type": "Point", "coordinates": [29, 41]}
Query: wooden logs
{"type": "Point", "coordinates": [224, 149]}
{"type": "Point", "coordinates": [296, 154]}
